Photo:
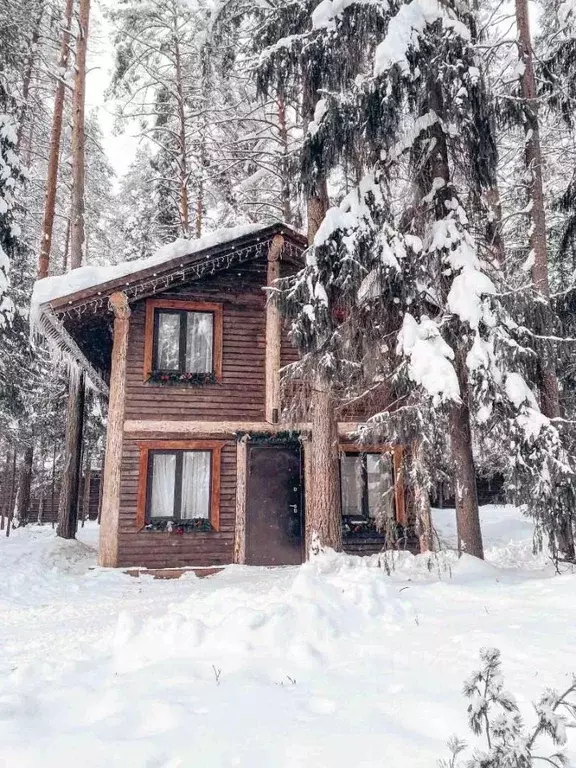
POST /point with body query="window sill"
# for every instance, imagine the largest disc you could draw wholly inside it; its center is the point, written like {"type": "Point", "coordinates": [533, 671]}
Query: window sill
{"type": "Point", "coordinates": [180, 527]}
{"type": "Point", "coordinates": [181, 379]}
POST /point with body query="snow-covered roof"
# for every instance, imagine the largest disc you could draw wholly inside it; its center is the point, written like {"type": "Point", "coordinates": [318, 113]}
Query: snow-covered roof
{"type": "Point", "coordinates": [91, 276]}
{"type": "Point", "coordinates": [176, 263]}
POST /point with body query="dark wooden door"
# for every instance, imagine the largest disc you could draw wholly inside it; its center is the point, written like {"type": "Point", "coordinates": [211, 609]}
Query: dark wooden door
{"type": "Point", "coordinates": [274, 505]}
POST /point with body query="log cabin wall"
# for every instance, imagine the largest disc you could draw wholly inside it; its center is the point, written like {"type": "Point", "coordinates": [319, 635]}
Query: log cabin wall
{"type": "Point", "coordinates": [50, 503]}
{"type": "Point", "coordinates": [153, 549]}
{"type": "Point", "coordinates": [240, 396]}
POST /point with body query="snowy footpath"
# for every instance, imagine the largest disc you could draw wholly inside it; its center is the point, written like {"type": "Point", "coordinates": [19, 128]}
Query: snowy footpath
{"type": "Point", "coordinates": [341, 663]}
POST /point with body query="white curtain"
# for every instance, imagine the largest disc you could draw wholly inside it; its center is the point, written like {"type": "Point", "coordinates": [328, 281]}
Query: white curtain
{"type": "Point", "coordinates": [380, 488]}
{"type": "Point", "coordinates": [167, 356]}
{"type": "Point", "coordinates": [163, 482]}
{"type": "Point", "coordinates": [199, 339]}
{"type": "Point", "coordinates": [196, 485]}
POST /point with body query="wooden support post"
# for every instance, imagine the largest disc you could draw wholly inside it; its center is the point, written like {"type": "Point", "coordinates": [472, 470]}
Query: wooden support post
{"type": "Point", "coordinates": [241, 487]}
{"type": "Point", "coordinates": [108, 555]}
{"type": "Point", "coordinates": [273, 335]}
{"type": "Point", "coordinates": [420, 495]}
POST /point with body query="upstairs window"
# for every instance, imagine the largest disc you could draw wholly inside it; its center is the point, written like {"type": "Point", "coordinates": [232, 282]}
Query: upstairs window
{"type": "Point", "coordinates": [183, 342]}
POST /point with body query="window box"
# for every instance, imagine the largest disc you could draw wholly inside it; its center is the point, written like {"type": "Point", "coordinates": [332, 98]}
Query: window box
{"type": "Point", "coordinates": [183, 342]}
{"type": "Point", "coordinates": [180, 527]}
{"type": "Point", "coordinates": [179, 486]}
{"type": "Point", "coordinates": [192, 379]}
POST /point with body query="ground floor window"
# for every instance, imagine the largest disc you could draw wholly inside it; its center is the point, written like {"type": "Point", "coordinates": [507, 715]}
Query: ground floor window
{"type": "Point", "coordinates": [179, 486]}
{"type": "Point", "coordinates": [368, 492]}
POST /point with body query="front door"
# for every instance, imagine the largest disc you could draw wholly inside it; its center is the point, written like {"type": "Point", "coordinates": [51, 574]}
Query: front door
{"type": "Point", "coordinates": [274, 505]}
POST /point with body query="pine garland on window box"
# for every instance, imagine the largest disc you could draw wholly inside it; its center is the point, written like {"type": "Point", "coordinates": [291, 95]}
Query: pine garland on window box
{"type": "Point", "coordinates": [174, 377]}
{"type": "Point", "coordinates": [180, 527]}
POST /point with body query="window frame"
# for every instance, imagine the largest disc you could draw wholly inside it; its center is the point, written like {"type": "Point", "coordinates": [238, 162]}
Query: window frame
{"type": "Point", "coordinates": [153, 309]}
{"type": "Point", "coordinates": [351, 449]}
{"type": "Point", "coordinates": [149, 448]}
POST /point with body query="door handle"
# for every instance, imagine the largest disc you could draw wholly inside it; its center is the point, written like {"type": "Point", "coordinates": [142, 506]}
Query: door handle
{"type": "Point", "coordinates": [293, 508]}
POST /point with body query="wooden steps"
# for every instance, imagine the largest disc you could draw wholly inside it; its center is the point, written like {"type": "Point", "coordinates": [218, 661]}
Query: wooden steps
{"type": "Point", "coordinates": [172, 573]}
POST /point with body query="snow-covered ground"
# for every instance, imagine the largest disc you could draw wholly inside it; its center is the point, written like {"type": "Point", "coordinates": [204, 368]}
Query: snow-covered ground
{"type": "Point", "coordinates": [335, 664]}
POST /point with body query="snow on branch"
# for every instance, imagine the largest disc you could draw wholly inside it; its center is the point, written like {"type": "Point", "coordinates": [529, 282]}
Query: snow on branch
{"type": "Point", "coordinates": [406, 28]}
{"type": "Point", "coordinates": [429, 358]}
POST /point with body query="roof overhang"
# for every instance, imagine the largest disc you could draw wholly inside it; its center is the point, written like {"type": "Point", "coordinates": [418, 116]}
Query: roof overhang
{"type": "Point", "coordinates": [56, 319]}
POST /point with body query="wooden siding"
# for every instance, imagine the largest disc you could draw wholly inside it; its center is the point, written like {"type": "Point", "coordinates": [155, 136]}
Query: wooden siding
{"type": "Point", "coordinates": [50, 510]}
{"type": "Point", "coordinates": [241, 394]}
{"type": "Point", "coordinates": [154, 549]}
{"type": "Point", "coordinates": [239, 397]}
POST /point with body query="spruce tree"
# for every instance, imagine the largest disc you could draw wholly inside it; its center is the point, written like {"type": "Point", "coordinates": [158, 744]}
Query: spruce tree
{"type": "Point", "coordinates": [420, 286]}
{"type": "Point", "coordinates": [307, 49]}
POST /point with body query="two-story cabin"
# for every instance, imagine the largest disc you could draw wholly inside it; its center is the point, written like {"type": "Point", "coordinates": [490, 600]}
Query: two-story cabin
{"type": "Point", "coordinates": [199, 468]}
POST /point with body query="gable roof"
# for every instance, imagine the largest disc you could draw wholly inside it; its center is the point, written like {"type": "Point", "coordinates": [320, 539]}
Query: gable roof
{"type": "Point", "coordinates": [64, 306]}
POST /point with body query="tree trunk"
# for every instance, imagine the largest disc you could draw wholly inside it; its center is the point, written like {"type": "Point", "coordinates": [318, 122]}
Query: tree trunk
{"type": "Point", "coordinates": [41, 502]}
{"type": "Point", "coordinates": [538, 237]}
{"type": "Point", "coordinates": [53, 484]}
{"type": "Point", "coordinates": [5, 497]}
{"type": "Point", "coordinates": [323, 508]}
{"type": "Point", "coordinates": [24, 485]}
{"type": "Point", "coordinates": [285, 184]}
{"type": "Point", "coordinates": [182, 163]}
{"type": "Point", "coordinates": [11, 493]}
{"type": "Point", "coordinates": [548, 380]}
{"type": "Point", "coordinates": [66, 247]}
{"type": "Point", "coordinates": [467, 516]}
{"type": "Point", "coordinates": [87, 487]}
{"type": "Point", "coordinates": [77, 231]}
{"type": "Point", "coordinates": [68, 504]}
{"type": "Point", "coordinates": [55, 138]}
{"type": "Point", "coordinates": [27, 78]}
{"type": "Point", "coordinates": [323, 503]}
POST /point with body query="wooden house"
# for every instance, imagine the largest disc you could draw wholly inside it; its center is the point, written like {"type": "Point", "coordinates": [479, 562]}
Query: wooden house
{"type": "Point", "coordinates": [199, 469]}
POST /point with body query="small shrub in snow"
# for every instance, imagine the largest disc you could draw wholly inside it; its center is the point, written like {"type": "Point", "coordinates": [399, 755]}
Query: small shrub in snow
{"type": "Point", "coordinates": [494, 715]}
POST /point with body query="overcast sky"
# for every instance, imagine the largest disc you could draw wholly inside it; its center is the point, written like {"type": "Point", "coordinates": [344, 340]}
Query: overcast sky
{"type": "Point", "coordinates": [120, 149]}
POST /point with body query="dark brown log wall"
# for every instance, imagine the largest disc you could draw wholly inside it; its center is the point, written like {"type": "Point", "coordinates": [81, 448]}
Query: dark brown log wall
{"type": "Point", "coordinates": [50, 512]}
{"type": "Point", "coordinates": [239, 397]}
{"type": "Point", "coordinates": [153, 549]}
{"type": "Point", "coordinates": [241, 394]}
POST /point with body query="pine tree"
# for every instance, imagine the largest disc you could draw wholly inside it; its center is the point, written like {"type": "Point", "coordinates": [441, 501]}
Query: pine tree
{"type": "Point", "coordinates": [420, 288]}
{"type": "Point", "coordinates": [10, 165]}
{"type": "Point", "coordinates": [303, 54]}
{"type": "Point", "coordinates": [494, 714]}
